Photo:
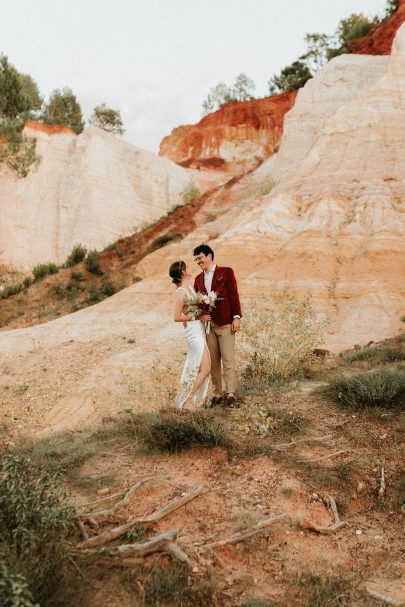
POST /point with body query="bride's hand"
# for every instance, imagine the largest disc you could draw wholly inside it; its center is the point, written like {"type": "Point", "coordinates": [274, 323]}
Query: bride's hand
{"type": "Point", "coordinates": [205, 318]}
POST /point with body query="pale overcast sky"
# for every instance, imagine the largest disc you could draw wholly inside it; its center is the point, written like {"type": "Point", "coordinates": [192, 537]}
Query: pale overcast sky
{"type": "Point", "coordinates": [156, 60]}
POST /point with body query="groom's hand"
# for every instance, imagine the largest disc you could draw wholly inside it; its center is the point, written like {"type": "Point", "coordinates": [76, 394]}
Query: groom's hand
{"type": "Point", "coordinates": [235, 326]}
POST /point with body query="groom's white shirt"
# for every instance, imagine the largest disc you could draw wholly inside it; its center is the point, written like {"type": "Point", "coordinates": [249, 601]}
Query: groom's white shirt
{"type": "Point", "coordinates": [208, 276]}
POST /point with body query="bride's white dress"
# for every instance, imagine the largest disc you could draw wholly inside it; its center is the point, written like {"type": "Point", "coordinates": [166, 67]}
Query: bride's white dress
{"type": "Point", "coordinates": [196, 342]}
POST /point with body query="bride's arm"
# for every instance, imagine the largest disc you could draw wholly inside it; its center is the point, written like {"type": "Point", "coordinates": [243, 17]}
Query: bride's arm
{"type": "Point", "coordinates": [178, 308]}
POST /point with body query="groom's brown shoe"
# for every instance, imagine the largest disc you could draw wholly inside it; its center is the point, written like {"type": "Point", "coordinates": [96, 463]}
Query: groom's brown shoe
{"type": "Point", "coordinates": [215, 401]}
{"type": "Point", "coordinates": [232, 402]}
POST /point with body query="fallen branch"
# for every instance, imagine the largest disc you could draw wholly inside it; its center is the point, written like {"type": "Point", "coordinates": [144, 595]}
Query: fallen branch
{"type": "Point", "coordinates": [244, 535]}
{"type": "Point", "coordinates": [309, 439]}
{"type": "Point", "coordinates": [337, 523]}
{"type": "Point", "coordinates": [163, 542]}
{"type": "Point", "coordinates": [381, 490]}
{"type": "Point", "coordinates": [385, 598]}
{"type": "Point", "coordinates": [104, 499]}
{"type": "Point", "coordinates": [117, 532]}
{"type": "Point", "coordinates": [102, 514]}
{"type": "Point", "coordinates": [82, 528]}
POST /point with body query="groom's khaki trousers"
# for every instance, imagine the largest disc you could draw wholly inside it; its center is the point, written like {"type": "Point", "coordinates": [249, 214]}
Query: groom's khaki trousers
{"type": "Point", "coordinates": [221, 344]}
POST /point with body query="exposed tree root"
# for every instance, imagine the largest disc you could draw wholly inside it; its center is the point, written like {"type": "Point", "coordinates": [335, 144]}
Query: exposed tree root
{"type": "Point", "coordinates": [116, 532]}
{"type": "Point", "coordinates": [337, 523]}
{"type": "Point", "coordinates": [244, 535]}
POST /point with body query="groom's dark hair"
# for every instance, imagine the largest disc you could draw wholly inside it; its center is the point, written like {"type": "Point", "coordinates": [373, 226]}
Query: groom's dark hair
{"type": "Point", "coordinates": [205, 249]}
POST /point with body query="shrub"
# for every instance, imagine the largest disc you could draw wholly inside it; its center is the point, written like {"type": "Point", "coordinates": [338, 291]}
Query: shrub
{"type": "Point", "coordinates": [359, 355]}
{"type": "Point", "coordinates": [11, 290]}
{"type": "Point", "coordinates": [34, 524]}
{"type": "Point", "coordinates": [44, 269]}
{"type": "Point", "coordinates": [166, 584]}
{"type": "Point", "coordinates": [110, 247]}
{"type": "Point", "coordinates": [78, 276]}
{"type": "Point", "coordinates": [165, 239]}
{"type": "Point", "coordinates": [190, 193]}
{"type": "Point", "coordinates": [27, 282]}
{"type": "Point", "coordinates": [381, 388]}
{"type": "Point", "coordinates": [94, 295]}
{"type": "Point", "coordinates": [393, 354]}
{"type": "Point", "coordinates": [77, 255]}
{"type": "Point", "coordinates": [276, 340]}
{"type": "Point", "coordinates": [109, 288]}
{"type": "Point", "coordinates": [169, 432]}
{"type": "Point", "coordinates": [14, 587]}
{"type": "Point", "coordinates": [92, 262]}
{"type": "Point", "coordinates": [73, 288]}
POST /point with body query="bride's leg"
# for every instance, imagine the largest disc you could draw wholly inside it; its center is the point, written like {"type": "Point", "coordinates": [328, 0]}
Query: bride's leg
{"type": "Point", "coordinates": [204, 371]}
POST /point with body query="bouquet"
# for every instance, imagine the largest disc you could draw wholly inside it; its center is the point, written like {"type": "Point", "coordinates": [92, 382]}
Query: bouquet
{"type": "Point", "coordinates": [199, 304]}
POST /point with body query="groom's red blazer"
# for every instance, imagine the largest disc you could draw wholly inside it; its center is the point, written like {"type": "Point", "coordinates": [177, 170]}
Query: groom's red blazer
{"type": "Point", "coordinates": [224, 284]}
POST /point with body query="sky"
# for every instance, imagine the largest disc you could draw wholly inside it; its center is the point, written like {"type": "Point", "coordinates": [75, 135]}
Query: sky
{"type": "Point", "coordinates": [156, 60]}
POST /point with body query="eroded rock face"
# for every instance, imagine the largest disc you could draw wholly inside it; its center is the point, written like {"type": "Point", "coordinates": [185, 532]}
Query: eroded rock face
{"type": "Point", "coordinates": [379, 42]}
{"type": "Point", "coordinates": [89, 189]}
{"type": "Point", "coordinates": [235, 138]}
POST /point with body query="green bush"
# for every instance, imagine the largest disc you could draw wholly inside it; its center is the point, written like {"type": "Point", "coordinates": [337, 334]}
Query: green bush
{"type": "Point", "coordinates": [77, 255]}
{"type": "Point", "coordinates": [108, 288]}
{"type": "Point", "coordinates": [92, 262]}
{"type": "Point", "coordinates": [167, 431]}
{"type": "Point", "coordinates": [190, 193]}
{"type": "Point", "coordinates": [359, 355]}
{"type": "Point", "coordinates": [34, 524]}
{"type": "Point", "coordinates": [14, 587]}
{"type": "Point", "coordinates": [73, 288]}
{"type": "Point", "coordinates": [276, 339]}
{"type": "Point", "coordinates": [11, 290]}
{"type": "Point", "coordinates": [94, 295]}
{"type": "Point", "coordinates": [165, 239]}
{"type": "Point", "coordinates": [78, 276]}
{"type": "Point", "coordinates": [380, 388]}
{"type": "Point", "coordinates": [44, 269]}
{"type": "Point", "coordinates": [27, 282]}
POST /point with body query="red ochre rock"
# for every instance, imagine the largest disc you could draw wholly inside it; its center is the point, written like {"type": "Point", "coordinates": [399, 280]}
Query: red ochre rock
{"type": "Point", "coordinates": [236, 137]}
{"type": "Point", "coordinates": [49, 129]}
{"type": "Point", "coordinates": [379, 41]}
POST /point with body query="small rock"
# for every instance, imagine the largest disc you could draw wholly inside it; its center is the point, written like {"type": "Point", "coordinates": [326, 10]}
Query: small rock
{"type": "Point", "coordinates": [103, 491]}
{"type": "Point", "coordinates": [361, 487]}
{"type": "Point", "coordinates": [195, 570]}
{"type": "Point", "coordinates": [359, 532]}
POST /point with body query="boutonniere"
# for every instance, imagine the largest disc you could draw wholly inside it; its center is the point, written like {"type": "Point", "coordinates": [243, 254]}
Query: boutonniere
{"type": "Point", "coordinates": [220, 277]}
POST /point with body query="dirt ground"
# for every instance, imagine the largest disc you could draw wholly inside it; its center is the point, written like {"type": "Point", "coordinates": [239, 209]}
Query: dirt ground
{"type": "Point", "coordinates": [262, 476]}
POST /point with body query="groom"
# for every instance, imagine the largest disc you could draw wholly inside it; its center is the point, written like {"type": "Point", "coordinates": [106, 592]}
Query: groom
{"type": "Point", "coordinates": [225, 321]}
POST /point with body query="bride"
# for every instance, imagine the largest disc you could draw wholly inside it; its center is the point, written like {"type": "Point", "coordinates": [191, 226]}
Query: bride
{"type": "Point", "coordinates": [195, 379]}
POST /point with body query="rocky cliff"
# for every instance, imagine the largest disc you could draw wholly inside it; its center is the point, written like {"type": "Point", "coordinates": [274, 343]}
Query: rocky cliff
{"type": "Point", "coordinates": [235, 138]}
{"type": "Point", "coordinates": [89, 189]}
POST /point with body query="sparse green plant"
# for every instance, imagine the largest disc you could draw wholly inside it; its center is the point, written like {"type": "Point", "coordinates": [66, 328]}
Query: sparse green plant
{"type": "Point", "coordinates": [77, 254]}
{"type": "Point", "coordinates": [42, 270]}
{"type": "Point", "coordinates": [166, 584]}
{"type": "Point", "coordinates": [358, 355]}
{"type": "Point", "coordinates": [165, 239]}
{"type": "Point", "coordinates": [34, 524]}
{"type": "Point", "coordinates": [20, 390]}
{"type": "Point", "coordinates": [277, 339]}
{"type": "Point", "coordinates": [329, 592]}
{"type": "Point", "coordinates": [92, 262]}
{"type": "Point", "coordinates": [10, 290]}
{"type": "Point", "coordinates": [27, 282]}
{"type": "Point", "coordinates": [108, 288]}
{"type": "Point", "coordinates": [190, 193]}
{"type": "Point", "coordinates": [384, 388]}
{"type": "Point", "coordinates": [110, 247]}
{"type": "Point", "coordinates": [137, 534]}
{"type": "Point", "coordinates": [94, 295]}
{"type": "Point", "coordinates": [73, 288]}
{"type": "Point", "coordinates": [174, 208]}
{"type": "Point", "coordinates": [264, 187]}
{"type": "Point", "coordinates": [136, 279]}
{"type": "Point", "coordinates": [78, 276]}
{"type": "Point", "coordinates": [57, 289]}
{"type": "Point", "coordinates": [166, 431]}
{"type": "Point", "coordinates": [14, 586]}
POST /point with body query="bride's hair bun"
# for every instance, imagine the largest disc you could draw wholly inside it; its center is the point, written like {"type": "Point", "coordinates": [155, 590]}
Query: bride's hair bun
{"type": "Point", "coordinates": [176, 271]}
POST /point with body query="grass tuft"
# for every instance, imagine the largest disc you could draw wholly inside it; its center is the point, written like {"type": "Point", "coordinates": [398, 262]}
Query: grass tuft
{"type": "Point", "coordinates": [92, 262]}
{"type": "Point", "coordinates": [383, 388]}
{"type": "Point", "coordinates": [168, 431]}
{"type": "Point", "coordinates": [77, 255]}
{"type": "Point", "coordinates": [44, 269]}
